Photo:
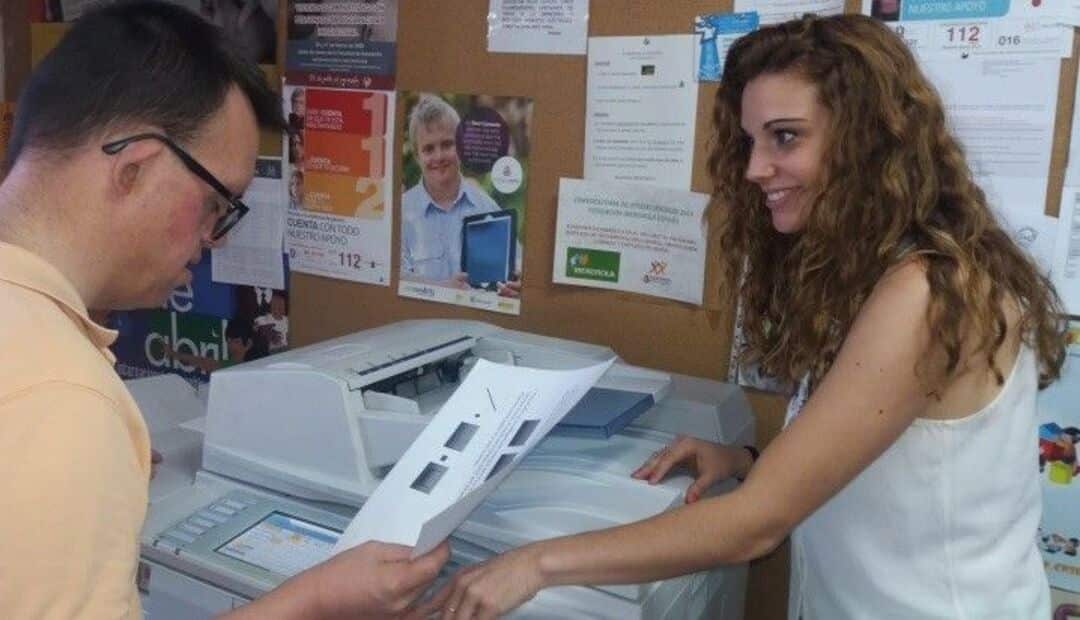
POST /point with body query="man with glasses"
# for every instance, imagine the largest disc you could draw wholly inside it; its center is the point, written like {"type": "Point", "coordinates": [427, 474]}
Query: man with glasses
{"type": "Point", "coordinates": [134, 137]}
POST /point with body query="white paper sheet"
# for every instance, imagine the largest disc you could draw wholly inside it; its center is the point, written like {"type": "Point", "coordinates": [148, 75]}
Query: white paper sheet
{"type": "Point", "coordinates": [252, 254]}
{"type": "Point", "coordinates": [538, 26]}
{"type": "Point", "coordinates": [640, 110]}
{"type": "Point", "coordinates": [493, 419]}
{"type": "Point", "coordinates": [1002, 110]}
{"type": "Point", "coordinates": [1019, 205]}
{"type": "Point", "coordinates": [643, 239]}
{"type": "Point", "coordinates": [1065, 272]}
{"type": "Point", "coordinates": [776, 11]}
{"type": "Point", "coordinates": [165, 400]}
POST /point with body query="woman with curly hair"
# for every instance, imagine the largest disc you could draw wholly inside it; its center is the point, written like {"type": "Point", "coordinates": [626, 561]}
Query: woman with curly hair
{"type": "Point", "coordinates": [873, 277]}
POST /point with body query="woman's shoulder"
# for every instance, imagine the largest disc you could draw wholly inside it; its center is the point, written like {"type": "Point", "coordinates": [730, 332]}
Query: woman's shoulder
{"type": "Point", "coordinates": [903, 286]}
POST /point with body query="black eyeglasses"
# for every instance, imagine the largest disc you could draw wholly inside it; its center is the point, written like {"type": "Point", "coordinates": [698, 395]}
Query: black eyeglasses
{"type": "Point", "coordinates": [225, 221]}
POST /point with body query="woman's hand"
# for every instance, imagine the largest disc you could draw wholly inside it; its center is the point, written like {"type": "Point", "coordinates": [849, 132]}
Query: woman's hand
{"type": "Point", "coordinates": [709, 462]}
{"type": "Point", "coordinates": [492, 588]}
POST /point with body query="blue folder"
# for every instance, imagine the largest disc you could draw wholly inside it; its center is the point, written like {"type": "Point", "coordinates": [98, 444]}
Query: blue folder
{"type": "Point", "coordinates": [603, 412]}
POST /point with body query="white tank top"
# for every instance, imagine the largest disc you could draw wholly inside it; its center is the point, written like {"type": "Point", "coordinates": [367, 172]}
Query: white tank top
{"type": "Point", "coordinates": [941, 525]}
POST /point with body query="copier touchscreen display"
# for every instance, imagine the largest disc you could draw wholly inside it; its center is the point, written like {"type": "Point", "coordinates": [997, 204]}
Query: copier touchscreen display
{"type": "Point", "coordinates": [282, 544]}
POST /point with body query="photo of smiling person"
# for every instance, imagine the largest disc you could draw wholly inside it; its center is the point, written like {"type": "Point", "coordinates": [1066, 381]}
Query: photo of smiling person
{"type": "Point", "coordinates": [433, 210]}
{"type": "Point", "coordinates": [463, 159]}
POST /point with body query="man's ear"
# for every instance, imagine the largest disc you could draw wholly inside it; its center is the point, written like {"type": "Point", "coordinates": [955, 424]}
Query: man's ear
{"type": "Point", "coordinates": [129, 167]}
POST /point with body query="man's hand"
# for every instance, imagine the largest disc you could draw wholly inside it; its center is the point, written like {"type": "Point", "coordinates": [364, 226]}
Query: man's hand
{"type": "Point", "coordinates": [375, 580]}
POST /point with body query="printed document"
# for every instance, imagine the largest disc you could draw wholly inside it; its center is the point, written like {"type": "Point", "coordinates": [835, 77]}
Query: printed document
{"type": "Point", "coordinates": [641, 104]}
{"type": "Point", "coordinates": [252, 255]}
{"type": "Point", "coordinates": [493, 419]}
{"type": "Point", "coordinates": [1018, 204]}
{"type": "Point", "coordinates": [1065, 273]}
{"type": "Point", "coordinates": [1001, 109]}
{"type": "Point", "coordinates": [538, 26]}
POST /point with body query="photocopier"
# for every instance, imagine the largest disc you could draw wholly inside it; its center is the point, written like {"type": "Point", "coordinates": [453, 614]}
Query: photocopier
{"type": "Point", "coordinates": [264, 469]}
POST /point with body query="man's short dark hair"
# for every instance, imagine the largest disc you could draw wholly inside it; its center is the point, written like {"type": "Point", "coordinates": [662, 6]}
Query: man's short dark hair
{"type": "Point", "coordinates": [135, 62]}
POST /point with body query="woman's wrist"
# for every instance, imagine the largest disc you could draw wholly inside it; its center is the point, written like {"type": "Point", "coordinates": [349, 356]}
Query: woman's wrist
{"type": "Point", "coordinates": [544, 560]}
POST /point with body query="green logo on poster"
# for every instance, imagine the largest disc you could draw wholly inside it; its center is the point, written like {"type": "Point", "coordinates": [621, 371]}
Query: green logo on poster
{"type": "Point", "coordinates": [592, 264]}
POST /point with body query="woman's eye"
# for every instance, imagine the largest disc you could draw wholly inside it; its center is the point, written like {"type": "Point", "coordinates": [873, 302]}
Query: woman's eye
{"type": "Point", "coordinates": [784, 136]}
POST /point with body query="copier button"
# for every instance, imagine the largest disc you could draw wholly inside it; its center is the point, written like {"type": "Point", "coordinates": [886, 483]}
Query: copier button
{"type": "Point", "coordinates": [222, 509]}
{"type": "Point", "coordinates": [213, 516]}
{"type": "Point", "coordinates": [235, 505]}
{"type": "Point", "coordinates": [191, 528]}
{"type": "Point", "coordinates": [180, 535]}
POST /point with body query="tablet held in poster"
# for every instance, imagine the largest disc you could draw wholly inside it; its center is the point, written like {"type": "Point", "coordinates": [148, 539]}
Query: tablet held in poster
{"type": "Point", "coordinates": [488, 245]}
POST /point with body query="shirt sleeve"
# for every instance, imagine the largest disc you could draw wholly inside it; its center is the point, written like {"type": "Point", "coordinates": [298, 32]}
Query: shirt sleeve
{"type": "Point", "coordinates": [74, 503]}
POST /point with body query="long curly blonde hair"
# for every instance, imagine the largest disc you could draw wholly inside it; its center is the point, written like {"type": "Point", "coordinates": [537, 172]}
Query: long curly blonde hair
{"type": "Point", "coordinates": [894, 184]}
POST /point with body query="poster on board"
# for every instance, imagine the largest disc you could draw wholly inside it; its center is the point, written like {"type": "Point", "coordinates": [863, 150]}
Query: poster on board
{"type": "Point", "coordinates": [202, 326]}
{"type": "Point", "coordinates": [636, 238]}
{"type": "Point", "coordinates": [250, 24]}
{"type": "Point", "coordinates": [465, 172]}
{"type": "Point", "coordinates": [1058, 436]}
{"type": "Point", "coordinates": [339, 182]}
{"type": "Point", "coordinates": [342, 44]}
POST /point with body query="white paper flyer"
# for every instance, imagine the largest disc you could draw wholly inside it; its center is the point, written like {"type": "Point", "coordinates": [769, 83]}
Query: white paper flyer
{"type": "Point", "coordinates": [493, 419]}
{"type": "Point", "coordinates": [538, 26]}
{"type": "Point", "coordinates": [648, 240]}
{"type": "Point", "coordinates": [640, 110]}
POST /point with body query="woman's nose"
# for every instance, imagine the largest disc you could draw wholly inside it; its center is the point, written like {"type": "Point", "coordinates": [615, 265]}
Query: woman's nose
{"type": "Point", "coordinates": [760, 167]}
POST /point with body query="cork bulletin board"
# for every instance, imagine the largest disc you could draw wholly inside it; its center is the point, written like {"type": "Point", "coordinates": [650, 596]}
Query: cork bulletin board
{"type": "Point", "coordinates": [442, 46]}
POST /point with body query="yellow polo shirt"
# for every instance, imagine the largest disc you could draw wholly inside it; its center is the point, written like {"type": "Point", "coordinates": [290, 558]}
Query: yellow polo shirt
{"type": "Point", "coordinates": [76, 454]}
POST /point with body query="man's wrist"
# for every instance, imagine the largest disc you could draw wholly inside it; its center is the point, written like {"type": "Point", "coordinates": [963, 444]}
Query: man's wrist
{"type": "Point", "coordinates": [747, 456]}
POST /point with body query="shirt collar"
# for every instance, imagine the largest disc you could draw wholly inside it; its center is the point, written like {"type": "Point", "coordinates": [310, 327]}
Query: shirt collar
{"type": "Point", "coordinates": [24, 268]}
{"type": "Point", "coordinates": [429, 202]}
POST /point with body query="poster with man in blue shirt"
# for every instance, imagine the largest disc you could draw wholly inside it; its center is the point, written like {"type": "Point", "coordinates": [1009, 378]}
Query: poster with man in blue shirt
{"type": "Point", "coordinates": [464, 164]}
